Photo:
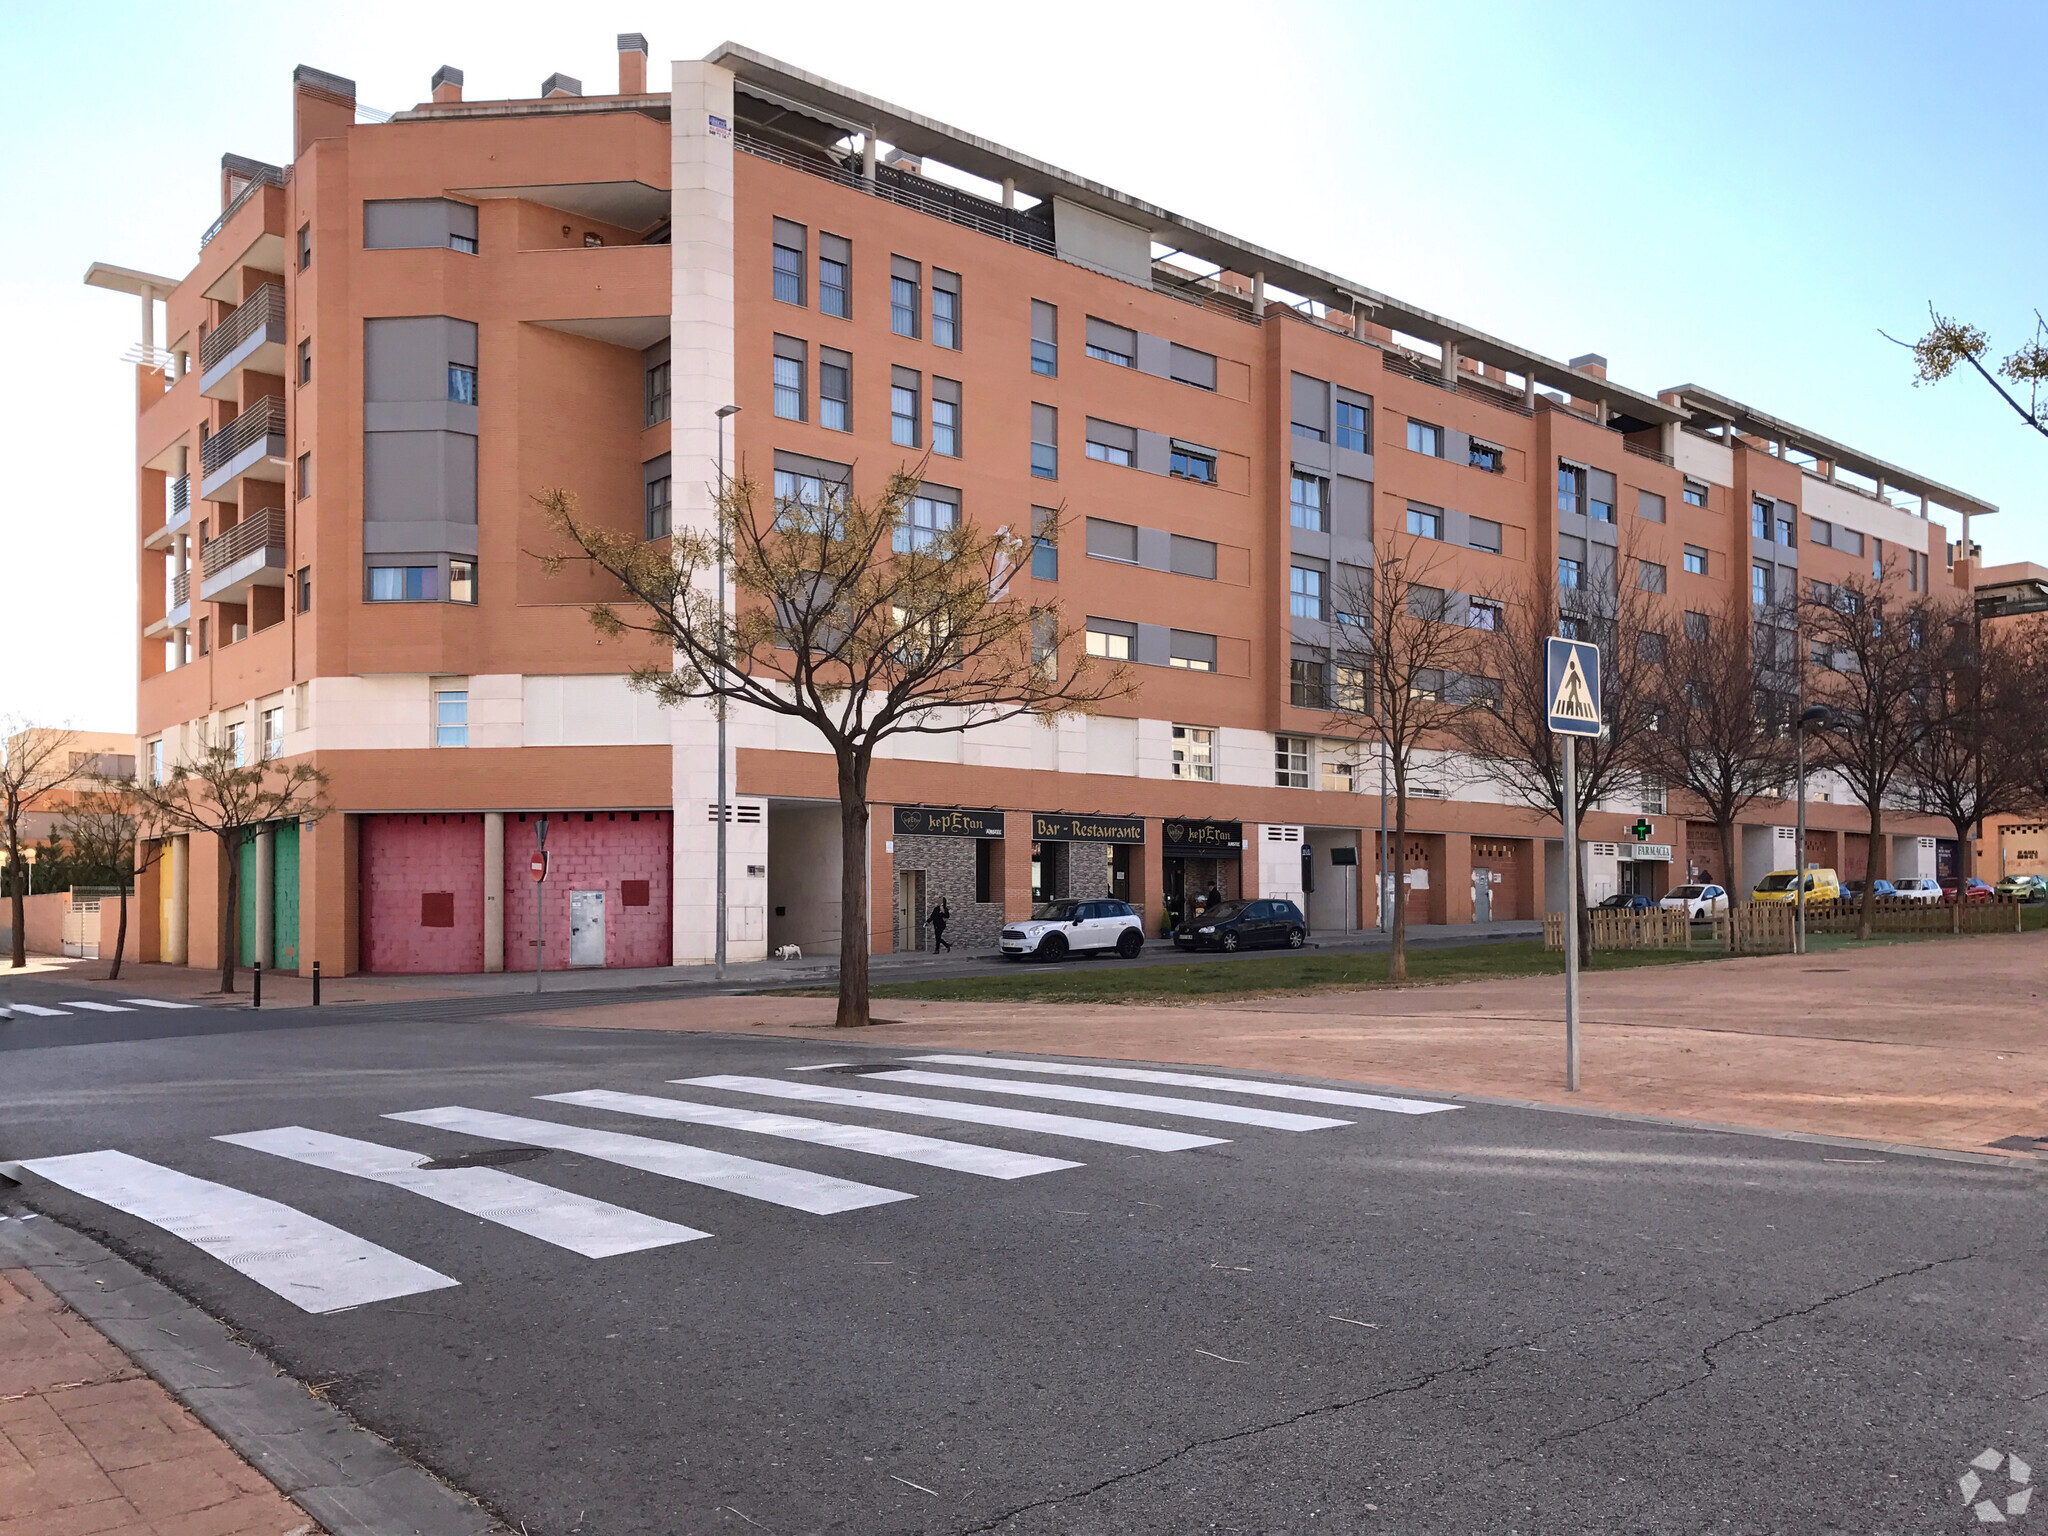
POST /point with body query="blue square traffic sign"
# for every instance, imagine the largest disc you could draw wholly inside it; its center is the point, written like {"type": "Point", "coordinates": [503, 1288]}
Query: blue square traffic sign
{"type": "Point", "coordinates": [1571, 670]}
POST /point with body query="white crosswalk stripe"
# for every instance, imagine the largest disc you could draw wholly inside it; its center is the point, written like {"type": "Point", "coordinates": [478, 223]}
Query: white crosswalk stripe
{"type": "Point", "coordinates": [1188, 1109]}
{"type": "Point", "coordinates": [72, 1002]}
{"type": "Point", "coordinates": [314, 1266]}
{"type": "Point", "coordinates": [933, 1151]}
{"type": "Point", "coordinates": [157, 1002]}
{"type": "Point", "coordinates": [41, 1013]}
{"type": "Point", "coordinates": [817, 1193]}
{"type": "Point", "coordinates": [1347, 1097]}
{"type": "Point", "coordinates": [1115, 1133]}
{"type": "Point", "coordinates": [596, 1229]}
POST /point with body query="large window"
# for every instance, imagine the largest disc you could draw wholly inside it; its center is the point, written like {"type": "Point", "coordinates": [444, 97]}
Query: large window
{"type": "Point", "coordinates": [1760, 519]}
{"type": "Point", "coordinates": [905, 278]}
{"type": "Point", "coordinates": [1112, 343]}
{"type": "Point", "coordinates": [1304, 592]}
{"type": "Point", "coordinates": [1786, 535]}
{"type": "Point", "coordinates": [1190, 650]}
{"type": "Point", "coordinates": [1305, 496]}
{"type": "Point", "coordinates": [1425, 522]}
{"type": "Point", "coordinates": [1487, 457]}
{"type": "Point", "coordinates": [1045, 442]}
{"type": "Point", "coordinates": [1568, 571]}
{"type": "Point", "coordinates": [1194, 752]}
{"type": "Point", "coordinates": [946, 417]}
{"type": "Point", "coordinates": [657, 507]}
{"type": "Point", "coordinates": [1351, 691]}
{"type": "Point", "coordinates": [1760, 585]}
{"type": "Point", "coordinates": [1290, 762]}
{"type": "Point", "coordinates": [1338, 777]}
{"type": "Point", "coordinates": [788, 258]}
{"type": "Point", "coordinates": [1111, 443]}
{"type": "Point", "coordinates": [1571, 488]}
{"type": "Point", "coordinates": [835, 390]}
{"type": "Point", "coordinates": [1695, 560]}
{"type": "Point", "coordinates": [1600, 496]}
{"type": "Point", "coordinates": [1305, 687]}
{"type": "Point", "coordinates": [835, 277]}
{"type": "Point", "coordinates": [1354, 426]}
{"type": "Point", "coordinates": [1112, 639]}
{"type": "Point", "coordinates": [924, 519]}
{"type": "Point", "coordinates": [451, 717]}
{"type": "Point", "coordinates": [1424, 438]}
{"type": "Point", "coordinates": [904, 406]}
{"type": "Point", "coordinates": [405, 583]}
{"type": "Point", "coordinates": [791, 357]}
{"type": "Point", "coordinates": [1045, 338]}
{"type": "Point", "coordinates": [1187, 462]}
{"type": "Point", "coordinates": [945, 309]}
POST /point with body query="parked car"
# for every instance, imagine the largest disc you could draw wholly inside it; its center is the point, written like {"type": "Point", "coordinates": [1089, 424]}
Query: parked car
{"type": "Point", "coordinates": [1621, 903]}
{"type": "Point", "coordinates": [1782, 885]}
{"type": "Point", "coordinates": [1700, 901]}
{"type": "Point", "coordinates": [1853, 891]}
{"type": "Point", "coordinates": [1972, 890]}
{"type": "Point", "coordinates": [2023, 887]}
{"type": "Point", "coordinates": [1917, 888]}
{"type": "Point", "coordinates": [1244, 925]}
{"type": "Point", "coordinates": [1057, 929]}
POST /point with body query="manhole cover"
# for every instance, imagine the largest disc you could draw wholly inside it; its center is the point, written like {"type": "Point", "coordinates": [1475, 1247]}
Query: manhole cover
{"type": "Point", "coordinates": [490, 1157]}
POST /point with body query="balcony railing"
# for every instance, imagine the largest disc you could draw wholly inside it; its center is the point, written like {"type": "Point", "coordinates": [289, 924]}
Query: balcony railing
{"type": "Point", "coordinates": [1646, 453]}
{"type": "Point", "coordinates": [263, 419]}
{"type": "Point", "coordinates": [181, 590]}
{"type": "Point", "coordinates": [263, 307]}
{"type": "Point", "coordinates": [257, 531]}
{"type": "Point", "coordinates": [268, 176]}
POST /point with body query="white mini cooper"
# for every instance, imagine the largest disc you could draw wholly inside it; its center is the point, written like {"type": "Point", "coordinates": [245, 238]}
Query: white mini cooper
{"type": "Point", "coordinates": [1057, 929]}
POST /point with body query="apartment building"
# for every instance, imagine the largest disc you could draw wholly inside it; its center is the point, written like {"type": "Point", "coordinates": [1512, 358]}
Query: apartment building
{"type": "Point", "coordinates": [390, 347]}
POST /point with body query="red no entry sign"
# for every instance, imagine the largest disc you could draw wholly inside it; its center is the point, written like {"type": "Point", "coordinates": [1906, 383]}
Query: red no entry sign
{"type": "Point", "coordinates": [540, 866]}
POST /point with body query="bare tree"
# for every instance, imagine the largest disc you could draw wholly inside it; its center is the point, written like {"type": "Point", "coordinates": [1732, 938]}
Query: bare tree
{"type": "Point", "coordinates": [1405, 653]}
{"type": "Point", "coordinates": [214, 795]}
{"type": "Point", "coordinates": [1871, 648]}
{"type": "Point", "coordinates": [1513, 748]}
{"type": "Point", "coordinates": [1978, 717]}
{"type": "Point", "coordinates": [1721, 719]}
{"type": "Point", "coordinates": [866, 619]}
{"type": "Point", "coordinates": [105, 829]}
{"type": "Point", "coordinates": [34, 761]}
{"type": "Point", "coordinates": [1951, 343]}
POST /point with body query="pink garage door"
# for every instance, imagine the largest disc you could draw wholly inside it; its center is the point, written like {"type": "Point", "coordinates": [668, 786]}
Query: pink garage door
{"type": "Point", "coordinates": [625, 854]}
{"type": "Point", "coordinates": [423, 893]}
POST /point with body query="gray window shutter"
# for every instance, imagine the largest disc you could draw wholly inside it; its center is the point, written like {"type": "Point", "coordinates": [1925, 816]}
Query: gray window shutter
{"type": "Point", "coordinates": [1192, 367]}
{"type": "Point", "coordinates": [1310, 400]}
{"type": "Point", "coordinates": [1112, 541]}
{"type": "Point", "coordinates": [1192, 557]}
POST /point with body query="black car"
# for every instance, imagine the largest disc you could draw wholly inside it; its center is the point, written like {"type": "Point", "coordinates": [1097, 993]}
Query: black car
{"type": "Point", "coordinates": [1244, 925]}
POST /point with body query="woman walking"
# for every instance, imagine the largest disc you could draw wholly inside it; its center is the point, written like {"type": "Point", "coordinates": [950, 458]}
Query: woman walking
{"type": "Point", "coordinates": [939, 918]}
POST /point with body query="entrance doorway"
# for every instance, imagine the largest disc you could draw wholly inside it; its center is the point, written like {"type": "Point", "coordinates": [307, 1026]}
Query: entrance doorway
{"type": "Point", "coordinates": [586, 927]}
{"type": "Point", "coordinates": [1482, 895]}
{"type": "Point", "coordinates": [909, 910]}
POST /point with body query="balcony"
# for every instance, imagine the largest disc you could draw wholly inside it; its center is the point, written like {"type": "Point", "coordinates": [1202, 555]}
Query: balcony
{"type": "Point", "coordinates": [250, 554]}
{"type": "Point", "coordinates": [177, 514]}
{"type": "Point", "coordinates": [252, 337]}
{"type": "Point", "coordinates": [253, 444]}
{"type": "Point", "coordinates": [178, 612]}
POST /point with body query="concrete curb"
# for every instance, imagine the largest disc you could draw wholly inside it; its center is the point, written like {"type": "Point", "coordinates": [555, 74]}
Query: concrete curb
{"type": "Point", "coordinates": [347, 1479]}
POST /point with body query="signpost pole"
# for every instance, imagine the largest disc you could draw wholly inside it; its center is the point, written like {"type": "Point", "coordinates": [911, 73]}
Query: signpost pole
{"type": "Point", "coordinates": [540, 904]}
{"type": "Point", "coordinates": [1571, 917]}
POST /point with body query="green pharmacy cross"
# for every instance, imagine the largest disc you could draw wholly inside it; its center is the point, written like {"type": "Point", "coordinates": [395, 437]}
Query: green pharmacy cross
{"type": "Point", "coordinates": [1642, 829]}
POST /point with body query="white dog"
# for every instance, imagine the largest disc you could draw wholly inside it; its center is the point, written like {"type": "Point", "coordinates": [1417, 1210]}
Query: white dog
{"type": "Point", "coordinates": [789, 952]}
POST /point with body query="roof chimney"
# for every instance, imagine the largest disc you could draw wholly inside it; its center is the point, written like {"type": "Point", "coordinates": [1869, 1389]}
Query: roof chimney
{"type": "Point", "coordinates": [632, 64]}
{"type": "Point", "coordinates": [447, 83]}
{"type": "Point", "coordinates": [323, 106]}
{"type": "Point", "coordinates": [559, 84]}
{"type": "Point", "coordinates": [1589, 363]}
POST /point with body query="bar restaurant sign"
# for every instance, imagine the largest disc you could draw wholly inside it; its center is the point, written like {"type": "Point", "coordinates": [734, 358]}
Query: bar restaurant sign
{"type": "Point", "coordinates": [1056, 827]}
{"type": "Point", "coordinates": [1203, 836]}
{"type": "Point", "coordinates": [946, 821]}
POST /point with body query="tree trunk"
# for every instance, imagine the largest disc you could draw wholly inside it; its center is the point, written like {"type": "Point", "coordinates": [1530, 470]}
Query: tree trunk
{"type": "Point", "coordinates": [1865, 920]}
{"type": "Point", "coordinates": [853, 893]}
{"type": "Point", "coordinates": [1728, 882]}
{"type": "Point", "coordinates": [15, 896]}
{"type": "Point", "coordinates": [1397, 949]}
{"type": "Point", "coordinates": [230, 907]}
{"type": "Point", "coordinates": [120, 937]}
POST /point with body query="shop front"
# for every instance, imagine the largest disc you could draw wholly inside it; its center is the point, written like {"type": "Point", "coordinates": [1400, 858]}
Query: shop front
{"type": "Point", "coordinates": [1082, 856]}
{"type": "Point", "coordinates": [950, 856]}
{"type": "Point", "coordinates": [1197, 858]}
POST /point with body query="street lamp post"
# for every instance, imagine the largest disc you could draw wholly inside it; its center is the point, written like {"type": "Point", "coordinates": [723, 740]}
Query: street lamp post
{"type": "Point", "coordinates": [718, 701]}
{"type": "Point", "coordinates": [1817, 715]}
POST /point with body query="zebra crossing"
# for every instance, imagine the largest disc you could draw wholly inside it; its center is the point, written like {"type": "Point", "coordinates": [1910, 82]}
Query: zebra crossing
{"type": "Point", "coordinates": [320, 1268]}
{"type": "Point", "coordinates": [125, 1005]}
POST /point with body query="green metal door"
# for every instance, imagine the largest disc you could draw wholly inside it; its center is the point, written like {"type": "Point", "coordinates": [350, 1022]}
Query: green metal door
{"type": "Point", "coordinates": [245, 901]}
{"type": "Point", "coordinates": [284, 924]}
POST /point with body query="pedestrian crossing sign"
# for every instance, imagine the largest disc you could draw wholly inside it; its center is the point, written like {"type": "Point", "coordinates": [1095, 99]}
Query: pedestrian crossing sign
{"type": "Point", "coordinates": [1572, 685]}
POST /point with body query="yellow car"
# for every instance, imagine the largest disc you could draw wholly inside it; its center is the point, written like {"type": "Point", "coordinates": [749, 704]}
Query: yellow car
{"type": "Point", "coordinates": [1783, 885]}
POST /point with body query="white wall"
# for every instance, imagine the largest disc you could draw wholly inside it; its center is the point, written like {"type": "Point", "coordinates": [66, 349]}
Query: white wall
{"type": "Point", "coordinates": [1703, 460]}
{"type": "Point", "coordinates": [803, 878]}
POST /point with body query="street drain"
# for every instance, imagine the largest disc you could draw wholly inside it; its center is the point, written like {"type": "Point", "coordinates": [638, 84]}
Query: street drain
{"type": "Point", "coordinates": [490, 1157]}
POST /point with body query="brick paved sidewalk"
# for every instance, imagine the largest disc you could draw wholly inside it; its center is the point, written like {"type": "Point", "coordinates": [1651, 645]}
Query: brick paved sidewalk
{"type": "Point", "coordinates": [90, 1445]}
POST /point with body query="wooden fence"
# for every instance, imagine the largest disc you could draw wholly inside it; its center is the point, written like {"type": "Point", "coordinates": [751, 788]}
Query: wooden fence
{"type": "Point", "coordinates": [1891, 915]}
{"type": "Point", "coordinates": [1766, 927]}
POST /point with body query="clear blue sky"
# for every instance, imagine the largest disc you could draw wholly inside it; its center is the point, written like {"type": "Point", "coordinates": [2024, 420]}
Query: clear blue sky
{"type": "Point", "coordinates": [1736, 196]}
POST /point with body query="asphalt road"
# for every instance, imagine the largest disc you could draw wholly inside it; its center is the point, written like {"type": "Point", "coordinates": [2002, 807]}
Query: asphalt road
{"type": "Point", "coordinates": [1481, 1319]}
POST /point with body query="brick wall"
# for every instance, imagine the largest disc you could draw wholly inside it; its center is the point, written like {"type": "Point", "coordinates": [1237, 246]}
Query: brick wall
{"type": "Point", "coordinates": [591, 851]}
{"type": "Point", "coordinates": [948, 865]}
{"type": "Point", "coordinates": [405, 861]}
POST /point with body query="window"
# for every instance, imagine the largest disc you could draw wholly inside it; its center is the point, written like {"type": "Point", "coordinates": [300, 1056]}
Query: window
{"type": "Point", "coordinates": [1649, 506]}
{"type": "Point", "coordinates": [1112, 541]}
{"type": "Point", "coordinates": [1483, 534]}
{"type": "Point", "coordinates": [657, 507]}
{"type": "Point", "coordinates": [305, 589]}
{"type": "Point", "coordinates": [205, 636]}
{"type": "Point", "coordinates": [306, 360]}
{"type": "Point", "coordinates": [835, 277]}
{"type": "Point", "coordinates": [1697, 625]}
{"type": "Point", "coordinates": [1194, 752]}
{"type": "Point", "coordinates": [1290, 762]}
{"type": "Point", "coordinates": [1045, 338]}
{"type": "Point", "coordinates": [1425, 522]}
{"type": "Point", "coordinates": [1187, 365]}
{"type": "Point", "coordinates": [791, 356]}
{"type": "Point", "coordinates": [463, 243]}
{"type": "Point", "coordinates": [273, 733]}
{"type": "Point", "coordinates": [462, 383]}
{"type": "Point", "coordinates": [1569, 627]}
{"type": "Point", "coordinates": [1481, 613]}
{"type": "Point", "coordinates": [451, 717]}
{"type": "Point", "coordinates": [1305, 592]}
{"type": "Point", "coordinates": [305, 246]}
{"type": "Point", "coordinates": [1849, 541]}
{"type": "Point", "coordinates": [1431, 603]}
{"type": "Point", "coordinates": [905, 278]}
{"type": "Point", "coordinates": [800, 489]}
{"type": "Point", "coordinates": [1186, 462]}
{"type": "Point", "coordinates": [1760, 585]}
{"type": "Point", "coordinates": [1695, 560]}
{"type": "Point", "coordinates": [1650, 645]}
{"type": "Point", "coordinates": [1649, 576]}
{"type": "Point", "coordinates": [789, 262]}
{"type": "Point", "coordinates": [657, 393]}
{"type": "Point", "coordinates": [1354, 426]}
{"type": "Point", "coordinates": [1819, 530]}
{"type": "Point", "coordinates": [306, 473]}
{"type": "Point", "coordinates": [1305, 683]}
{"type": "Point", "coordinates": [1045, 442]}
{"type": "Point", "coordinates": [1571, 487]}
{"type": "Point", "coordinates": [462, 581]}
{"type": "Point", "coordinates": [1600, 495]}
{"type": "Point", "coordinates": [946, 417]}
{"type": "Point", "coordinates": [1112, 444]}
{"type": "Point", "coordinates": [1112, 343]}
{"type": "Point", "coordinates": [1568, 571]}
{"type": "Point", "coordinates": [1695, 494]}
{"type": "Point", "coordinates": [1351, 692]}
{"type": "Point", "coordinates": [1190, 557]}
{"type": "Point", "coordinates": [238, 743]}
{"type": "Point", "coordinates": [1045, 650]}
{"type": "Point", "coordinates": [156, 761]}
{"type": "Point", "coordinates": [946, 309]}
{"type": "Point", "coordinates": [1423, 438]}
{"type": "Point", "coordinates": [1305, 496]}
{"type": "Point", "coordinates": [835, 390]}
{"type": "Point", "coordinates": [924, 519]}
{"type": "Point", "coordinates": [1310, 431]}
{"type": "Point", "coordinates": [1760, 519]}
{"type": "Point", "coordinates": [1653, 795]}
{"type": "Point", "coordinates": [1111, 638]}
{"type": "Point", "coordinates": [905, 387]}
{"type": "Point", "coordinates": [1487, 457]}
{"type": "Point", "coordinates": [405, 583]}
{"type": "Point", "coordinates": [1785, 533]}
{"type": "Point", "coordinates": [1190, 650]}
{"type": "Point", "coordinates": [1045, 553]}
